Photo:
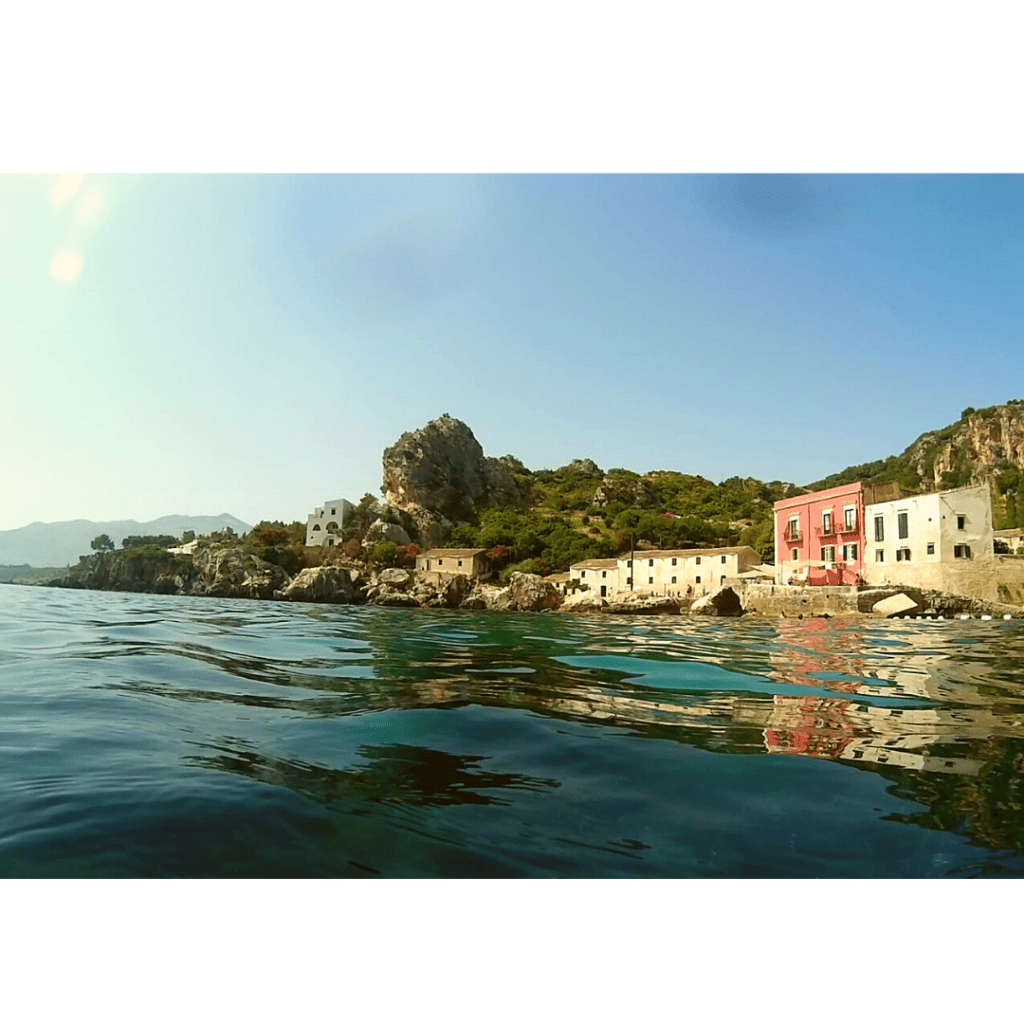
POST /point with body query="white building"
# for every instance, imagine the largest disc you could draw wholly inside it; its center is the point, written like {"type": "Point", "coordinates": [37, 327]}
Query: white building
{"type": "Point", "coordinates": [600, 575]}
{"type": "Point", "coordinates": [324, 525]}
{"type": "Point", "coordinates": [941, 541]}
{"type": "Point", "coordinates": [683, 572]}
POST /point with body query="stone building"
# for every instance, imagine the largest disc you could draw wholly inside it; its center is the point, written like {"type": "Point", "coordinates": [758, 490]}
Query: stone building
{"type": "Point", "coordinates": [454, 561]}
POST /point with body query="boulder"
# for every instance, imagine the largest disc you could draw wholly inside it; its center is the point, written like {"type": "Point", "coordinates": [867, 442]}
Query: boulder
{"type": "Point", "coordinates": [584, 601]}
{"type": "Point", "coordinates": [723, 601]}
{"type": "Point", "coordinates": [330, 584]}
{"type": "Point", "coordinates": [391, 598]}
{"type": "Point", "coordinates": [898, 604]}
{"type": "Point", "coordinates": [381, 531]}
{"type": "Point", "coordinates": [397, 579]}
{"type": "Point", "coordinates": [527, 592]}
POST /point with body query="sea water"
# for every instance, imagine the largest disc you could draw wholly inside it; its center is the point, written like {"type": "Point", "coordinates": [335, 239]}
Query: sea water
{"type": "Point", "coordinates": [155, 736]}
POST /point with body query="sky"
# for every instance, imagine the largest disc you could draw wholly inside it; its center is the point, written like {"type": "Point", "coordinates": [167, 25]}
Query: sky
{"type": "Point", "coordinates": [250, 343]}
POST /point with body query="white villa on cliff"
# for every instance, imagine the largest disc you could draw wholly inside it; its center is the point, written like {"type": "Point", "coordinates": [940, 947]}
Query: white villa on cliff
{"type": "Point", "coordinates": [324, 524]}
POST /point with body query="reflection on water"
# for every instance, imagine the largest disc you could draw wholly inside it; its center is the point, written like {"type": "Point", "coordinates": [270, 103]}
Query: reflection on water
{"type": "Point", "coordinates": [521, 738]}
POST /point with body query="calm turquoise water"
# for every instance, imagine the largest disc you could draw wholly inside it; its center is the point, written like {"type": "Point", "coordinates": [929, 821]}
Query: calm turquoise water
{"type": "Point", "coordinates": [145, 735]}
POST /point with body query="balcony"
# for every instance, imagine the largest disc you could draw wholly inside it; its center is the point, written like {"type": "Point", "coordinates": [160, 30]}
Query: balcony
{"type": "Point", "coordinates": [792, 536]}
{"type": "Point", "coordinates": [825, 530]}
{"type": "Point", "coordinates": [845, 527]}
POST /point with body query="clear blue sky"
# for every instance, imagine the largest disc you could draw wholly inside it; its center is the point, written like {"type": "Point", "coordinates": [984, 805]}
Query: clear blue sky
{"type": "Point", "coordinates": [250, 344]}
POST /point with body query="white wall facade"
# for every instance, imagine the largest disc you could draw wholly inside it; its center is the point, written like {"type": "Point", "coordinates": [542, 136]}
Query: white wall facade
{"type": "Point", "coordinates": [324, 524]}
{"type": "Point", "coordinates": [685, 572]}
{"type": "Point", "coordinates": [601, 575]}
{"type": "Point", "coordinates": [947, 546]}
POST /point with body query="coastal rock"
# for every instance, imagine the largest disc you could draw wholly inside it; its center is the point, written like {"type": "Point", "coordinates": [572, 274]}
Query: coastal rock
{"type": "Point", "coordinates": [397, 579]}
{"type": "Point", "coordinates": [224, 571]}
{"type": "Point", "coordinates": [898, 604]}
{"type": "Point", "coordinates": [527, 592]}
{"type": "Point", "coordinates": [723, 601]}
{"type": "Point", "coordinates": [448, 593]}
{"type": "Point", "coordinates": [329, 584]}
{"type": "Point", "coordinates": [391, 598]}
{"type": "Point", "coordinates": [629, 602]}
{"type": "Point", "coordinates": [441, 468]}
{"type": "Point", "coordinates": [584, 601]}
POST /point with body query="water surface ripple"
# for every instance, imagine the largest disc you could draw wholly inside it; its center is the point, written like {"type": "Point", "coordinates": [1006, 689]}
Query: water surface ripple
{"type": "Point", "coordinates": [146, 735]}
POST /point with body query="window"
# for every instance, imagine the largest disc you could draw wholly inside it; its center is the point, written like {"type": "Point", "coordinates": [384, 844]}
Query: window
{"type": "Point", "coordinates": [440, 561]}
{"type": "Point", "coordinates": [961, 522]}
{"type": "Point", "coordinates": [673, 579]}
{"type": "Point", "coordinates": [961, 551]}
{"type": "Point", "coordinates": [603, 573]}
{"type": "Point", "coordinates": [583, 572]}
{"type": "Point", "coordinates": [330, 542]}
{"type": "Point", "coordinates": [793, 530]}
{"type": "Point", "coordinates": [334, 511]}
{"type": "Point", "coordinates": [826, 522]}
{"type": "Point", "coordinates": [850, 518]}
{"type": "Point", "coordinates": [721, 579]}
{"type": "Point", "coordinates": [723, 559]}
{"type": "Point", "coordinates": [849, 552]}
{"type": "Point", "coordinates": [316, 527]}
{"type": "Point", "coordinates": [901, 525]}
{"type": "Point", "coordinates": [796, 554]}
{"type": "Point", "coordinates": [879, 555]}
{"type": "Point", "coordinates": [698, 560]}
{"type": "Point", "coordinates": [903, 554]}
{"type": "Point", "coordinates": [460, 561]}
{"type": "Point", "coordinates": [931, 547]}
{"type": "Point", "coordinates": [650, 561]}
{"type": "Point", "coordinates": [698, 579]}
{"type": "Point", "coordinates": [650, 579]}
{"type": "Point", "coordinates": [629, 581]}
{"type": "Point", "coordinates": [629, 562]}
{"type": "Point", "coordinates": [673, 561]}
{"type": "Point", "coordinates": [828, 553]}
{"type": "Point", "coordinates": [879, 528]}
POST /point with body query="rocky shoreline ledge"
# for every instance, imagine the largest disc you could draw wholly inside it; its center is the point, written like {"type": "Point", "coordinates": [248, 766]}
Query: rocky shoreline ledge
{"type": "Point", "coordinates": [225, 570]}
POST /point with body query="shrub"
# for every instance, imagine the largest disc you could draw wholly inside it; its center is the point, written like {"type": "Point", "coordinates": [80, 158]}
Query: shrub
{"type": "Point", "coordinates": [385, 553]}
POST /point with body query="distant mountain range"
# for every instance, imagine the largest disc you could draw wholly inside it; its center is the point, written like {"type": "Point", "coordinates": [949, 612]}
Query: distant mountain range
{"type": "Point", "coordinates": [60, 544]}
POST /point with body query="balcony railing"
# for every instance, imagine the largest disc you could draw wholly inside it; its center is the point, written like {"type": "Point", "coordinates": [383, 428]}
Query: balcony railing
{"type": "Point", "coordinates": [845, 527]}
{"type": "Point", "coordinates": [826, 530]}
{"type": "Point", "coordinates": [792, 535]}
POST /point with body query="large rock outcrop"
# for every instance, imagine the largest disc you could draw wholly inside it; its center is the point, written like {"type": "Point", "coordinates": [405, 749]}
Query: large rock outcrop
{"type": "Point", "coordinates": [441, 468]}
{"type": "Point", "coordinates": [723, 601]}
{"type": "Point", "coordinates": [326, 584]}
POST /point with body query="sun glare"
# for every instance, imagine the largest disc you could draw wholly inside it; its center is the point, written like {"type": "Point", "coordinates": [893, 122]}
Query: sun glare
{"type": "Point", "coordinates": [65, 188]}
{"type": "Point", "coordinates": [66, 266]}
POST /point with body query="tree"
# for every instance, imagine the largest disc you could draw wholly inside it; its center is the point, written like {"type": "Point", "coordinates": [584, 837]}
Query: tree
{"type": "Point", "coordinates": [102, 543]}
{"type": "Point", "coordinates": [1020, 505]}
{"type": "Point", "coordinates": [188, 536]}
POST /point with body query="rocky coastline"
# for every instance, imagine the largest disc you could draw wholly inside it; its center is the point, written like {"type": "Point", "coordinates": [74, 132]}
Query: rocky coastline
{"type": "Point", "coordinates": [217, 569]}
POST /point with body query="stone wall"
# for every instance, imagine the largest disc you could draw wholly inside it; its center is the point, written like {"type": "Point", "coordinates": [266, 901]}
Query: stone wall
{"type": "Point", "coordinates": [1010, 575]}
{"type": "Point", "coordinates": [789, 602]}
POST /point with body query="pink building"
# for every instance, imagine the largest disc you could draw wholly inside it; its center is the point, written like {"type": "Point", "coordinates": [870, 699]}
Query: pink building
{"type": "Point", "coordinates": [822, 527]}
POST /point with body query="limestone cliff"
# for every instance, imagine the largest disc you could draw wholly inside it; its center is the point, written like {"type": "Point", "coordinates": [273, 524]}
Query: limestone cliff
{"type": "Point", "coordinates": [983, 443]}
{"type": "Point", "coordinates": [438, 473]}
